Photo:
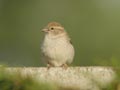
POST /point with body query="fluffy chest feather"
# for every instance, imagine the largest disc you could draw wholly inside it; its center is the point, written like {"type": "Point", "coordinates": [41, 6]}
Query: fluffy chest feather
{"type": "Point", "coordinates": [55, 47]}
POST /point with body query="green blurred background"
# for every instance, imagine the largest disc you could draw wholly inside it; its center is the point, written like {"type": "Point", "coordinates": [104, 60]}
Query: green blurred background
{"type": "Point", "coordinates": [93, 25]}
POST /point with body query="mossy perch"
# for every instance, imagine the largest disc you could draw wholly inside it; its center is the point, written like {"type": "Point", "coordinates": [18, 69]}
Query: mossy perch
{"type": "Point", "coordinates": [83, 78]}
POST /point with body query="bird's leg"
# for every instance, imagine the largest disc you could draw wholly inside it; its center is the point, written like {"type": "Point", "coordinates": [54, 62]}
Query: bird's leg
{"type": "Point", "coordinates": [48, 66]}
{"type": "Point", "coordinates": [64, 66]}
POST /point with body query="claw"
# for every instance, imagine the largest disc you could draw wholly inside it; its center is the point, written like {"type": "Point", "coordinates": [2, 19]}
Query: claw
{"type": "Point", "coordinates": [64, 66]}
{"type": "Point", "coordinates": [48, 66]}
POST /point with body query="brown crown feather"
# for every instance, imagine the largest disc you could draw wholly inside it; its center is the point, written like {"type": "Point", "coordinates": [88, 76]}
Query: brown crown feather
{"type": "Point", "coordinates": [54, 24]}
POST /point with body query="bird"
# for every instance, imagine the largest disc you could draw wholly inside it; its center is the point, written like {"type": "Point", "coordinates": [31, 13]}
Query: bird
{"type": "Point", "coordinates": [56, 48]}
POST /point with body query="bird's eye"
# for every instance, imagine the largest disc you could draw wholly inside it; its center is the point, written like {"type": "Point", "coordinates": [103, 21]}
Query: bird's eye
{"type": "Point", "coordinates": [52, 28]}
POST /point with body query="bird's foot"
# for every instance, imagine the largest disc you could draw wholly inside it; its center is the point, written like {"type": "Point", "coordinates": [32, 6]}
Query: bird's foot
{"type": "Point", "coordinates": [64, 66]}
{"type": "Point", "coordinates": [48, 66]}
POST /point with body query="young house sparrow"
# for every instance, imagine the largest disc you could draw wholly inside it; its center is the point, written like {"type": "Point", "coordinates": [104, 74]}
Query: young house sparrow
{"type": "Point", "coordinates": [56, 47]}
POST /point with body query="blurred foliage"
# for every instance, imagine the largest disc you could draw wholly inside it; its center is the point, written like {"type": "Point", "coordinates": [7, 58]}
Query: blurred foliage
{"type": "Point", "coordinates": [93, 26]}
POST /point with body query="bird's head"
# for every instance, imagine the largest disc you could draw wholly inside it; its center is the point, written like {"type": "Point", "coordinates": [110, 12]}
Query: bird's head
{"type": "Point", "coordinates": [53, 28]}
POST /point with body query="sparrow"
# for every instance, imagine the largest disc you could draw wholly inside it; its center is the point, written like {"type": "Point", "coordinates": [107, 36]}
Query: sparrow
{"type": "Point", "coordinates": [56, 47]}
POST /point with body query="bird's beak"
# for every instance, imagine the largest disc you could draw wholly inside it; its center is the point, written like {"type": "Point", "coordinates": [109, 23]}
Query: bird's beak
{"type": "Point", "coordinates": [45, 30]}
